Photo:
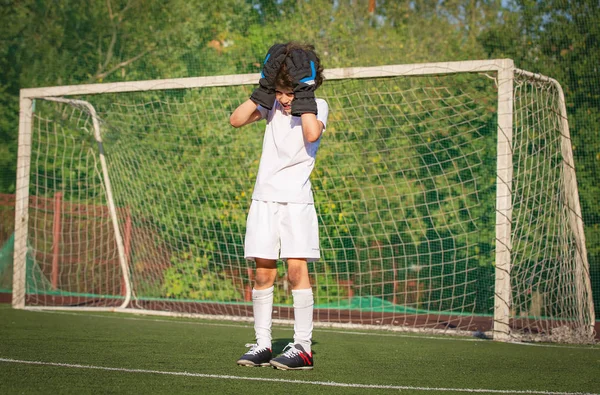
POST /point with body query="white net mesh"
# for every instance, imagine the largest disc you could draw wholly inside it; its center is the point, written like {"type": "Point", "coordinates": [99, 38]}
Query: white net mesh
{"type": "Point", "coordinates": [404, 185]}
{"type": "Point", "coordinates": [549, 282]}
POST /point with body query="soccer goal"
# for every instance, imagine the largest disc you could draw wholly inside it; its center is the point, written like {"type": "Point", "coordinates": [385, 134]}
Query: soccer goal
{"type": "Point", "coordinates": [446, 195]}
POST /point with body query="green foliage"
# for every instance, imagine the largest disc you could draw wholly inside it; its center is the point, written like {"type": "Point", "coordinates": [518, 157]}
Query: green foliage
{"type": "Point", "coordinates": [327, 289]}
{"type": "Point", "coordinates": [282, 293]}
{"type": "Point", "coordinates": [191, 278]}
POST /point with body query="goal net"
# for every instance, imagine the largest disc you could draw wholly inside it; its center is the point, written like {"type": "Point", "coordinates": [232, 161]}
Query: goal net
{"type": "Point", "coordinates": [446, 196]}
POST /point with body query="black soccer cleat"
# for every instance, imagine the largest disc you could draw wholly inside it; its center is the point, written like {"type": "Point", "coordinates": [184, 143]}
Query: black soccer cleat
{"type": "Point", "coordinates": [256, 356]}
{"type": "Point", "coordinates": [293, 358]}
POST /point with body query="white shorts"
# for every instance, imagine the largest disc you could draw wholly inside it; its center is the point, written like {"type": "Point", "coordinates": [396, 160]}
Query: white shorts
{"type": "Point", "coordinates": [282, 230]}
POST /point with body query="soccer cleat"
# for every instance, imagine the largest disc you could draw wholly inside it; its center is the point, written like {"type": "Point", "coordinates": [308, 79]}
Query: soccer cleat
{"type": "Point", "coordinates": [293, 358]}
{"type": "Point", "coordinates": [256, 356]}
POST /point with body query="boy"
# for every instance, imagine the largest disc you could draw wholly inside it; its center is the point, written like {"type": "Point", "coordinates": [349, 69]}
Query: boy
{"type": "Point", "coordinates": [282, 221]}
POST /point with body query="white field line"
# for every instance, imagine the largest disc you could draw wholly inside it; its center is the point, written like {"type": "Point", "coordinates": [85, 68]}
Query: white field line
{"type": "Point", "coordinates": [343, 332]}
{"type": "Point", "coordinates": [287, 381]}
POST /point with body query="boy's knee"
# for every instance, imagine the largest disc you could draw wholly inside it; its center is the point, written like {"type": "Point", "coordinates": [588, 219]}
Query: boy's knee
{"type": "Point", "coordinates": [264, 278]}
{"type": "Point", "coordinates": [297, 276]}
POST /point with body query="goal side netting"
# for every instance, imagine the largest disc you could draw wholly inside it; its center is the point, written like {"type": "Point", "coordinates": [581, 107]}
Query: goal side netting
{"type": "Point", "coordinates": [446, 197]}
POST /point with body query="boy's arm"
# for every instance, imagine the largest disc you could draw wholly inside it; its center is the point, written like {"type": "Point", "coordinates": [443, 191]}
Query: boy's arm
{"type": "Point", "coordinates": [264, 95]}
{"type": "Point", "coordinates": [246, 113]}
{"type": "Point", "coordinates": [311, 127]}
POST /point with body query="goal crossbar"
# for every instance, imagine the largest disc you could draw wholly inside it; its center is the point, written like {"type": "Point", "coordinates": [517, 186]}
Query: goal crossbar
{"type": "Point", "coordinates": [473, 66]}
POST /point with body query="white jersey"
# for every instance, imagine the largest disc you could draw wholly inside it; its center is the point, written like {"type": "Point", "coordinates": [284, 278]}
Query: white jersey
{"type": "Point", "coordinates": [287, 159]}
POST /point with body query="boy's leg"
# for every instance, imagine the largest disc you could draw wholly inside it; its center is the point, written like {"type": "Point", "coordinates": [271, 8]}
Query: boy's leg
{"type": "Point", "coordinates": [262, 300]}
{"type": "Point", "coordinates": [260, 354]}
{"type": "Point", "coordinates": [298, 355]}
{"type": "Point", "coordinates": [303, 302]}
{"type": "Point", "coordinates": [262, 240]}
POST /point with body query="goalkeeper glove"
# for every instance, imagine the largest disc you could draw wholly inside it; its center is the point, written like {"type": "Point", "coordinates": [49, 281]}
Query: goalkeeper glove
{"type": "Point", "coordinates": [302, 67]}
{"type": "Point", "coordinates": [265, 93]}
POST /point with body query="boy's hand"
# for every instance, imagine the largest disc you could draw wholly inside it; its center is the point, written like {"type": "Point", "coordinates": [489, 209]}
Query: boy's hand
{"type": "Point", "coordinates": [302, 66]}
{"type": "Point", "coordinates": [265, 93]}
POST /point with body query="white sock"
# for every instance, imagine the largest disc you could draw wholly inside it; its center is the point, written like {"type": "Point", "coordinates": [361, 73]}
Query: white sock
{"type": "Point", "coordinates": [262, 304]}
{"type": "Point", "coordinates": [303, 317]}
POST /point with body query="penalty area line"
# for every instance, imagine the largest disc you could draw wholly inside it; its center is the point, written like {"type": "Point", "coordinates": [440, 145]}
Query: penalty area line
{"type": "Point", "coordinates": [286, 381]}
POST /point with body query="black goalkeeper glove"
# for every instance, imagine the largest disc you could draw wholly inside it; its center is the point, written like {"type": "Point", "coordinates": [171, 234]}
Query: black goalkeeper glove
{"type": "Point", "coordinates": [265, 93]}
{"type": "Point", "coordinates": [302, 66]}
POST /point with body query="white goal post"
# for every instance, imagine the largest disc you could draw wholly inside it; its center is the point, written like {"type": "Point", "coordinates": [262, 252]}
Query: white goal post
{"type": "Point", "coordinates": [446, 195]}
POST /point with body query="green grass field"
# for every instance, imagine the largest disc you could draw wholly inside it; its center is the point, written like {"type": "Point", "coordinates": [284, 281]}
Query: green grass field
{"type": "Point", "coordinates": [79, 353]}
